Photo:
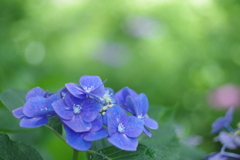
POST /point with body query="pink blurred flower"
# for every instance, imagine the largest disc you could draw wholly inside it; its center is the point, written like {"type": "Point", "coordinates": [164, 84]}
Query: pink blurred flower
{"type": "Point", "coordinates": [225, 96]}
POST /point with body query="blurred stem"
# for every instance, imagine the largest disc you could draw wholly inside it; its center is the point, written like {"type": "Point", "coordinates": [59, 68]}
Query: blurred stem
{"type": "Point", "coordinates": [59, 135]}
{"type": "Point", "coordinates": [75, 154]}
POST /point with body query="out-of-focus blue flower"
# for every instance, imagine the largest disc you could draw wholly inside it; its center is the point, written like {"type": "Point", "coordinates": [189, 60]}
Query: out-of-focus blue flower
{"type": "Point", "coordinates": [227, 140]}
{"type": "Point", "coordinates": [222, 122]}
{"type": "Point", "coordinates": [123, 129]}
{"type": "Point", "coordinates": [77, 113]}
{"type": "Point", "coordinates": [121, 96]}
{"type": "Point", "coordinates": [216, 156]}
{"type": "Point", "coordinates": [138, 106]}
{"type": "Point", "coordinates": [37, 108]}
{"type": "Point", "coordinates": [89, 86]}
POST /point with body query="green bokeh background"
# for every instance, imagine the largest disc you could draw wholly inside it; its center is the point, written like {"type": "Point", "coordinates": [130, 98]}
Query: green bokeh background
{"type": "Point", "coordinates": [191, 47]}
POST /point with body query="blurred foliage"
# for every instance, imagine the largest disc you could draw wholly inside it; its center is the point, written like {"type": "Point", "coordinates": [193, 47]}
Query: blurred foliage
{"type": "Point", "coordinates": [173, 51]}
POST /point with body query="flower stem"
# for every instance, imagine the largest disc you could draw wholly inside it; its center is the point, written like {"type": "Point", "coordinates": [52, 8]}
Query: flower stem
{"type": "Point", "coordinates": [75, 154]}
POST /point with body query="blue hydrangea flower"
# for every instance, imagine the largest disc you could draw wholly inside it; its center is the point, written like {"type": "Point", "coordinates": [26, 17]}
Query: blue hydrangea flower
{"type": "Point", "coordinates": [121, 96]}
{"type": "Point", "coordinates": [37, 108]}
{"type": "Point", "coordinates": [222, 122]}
{"type": "Point", "coordinates": [138, 106]}
{"type": "Point", "coordinates": [89, 86]}
{"type": "Point", "coordinates": [123, 129]}
{"type": "Point", "coordinates": [107, 100]}
{"type": "Point", "coordinates": [77, 113]}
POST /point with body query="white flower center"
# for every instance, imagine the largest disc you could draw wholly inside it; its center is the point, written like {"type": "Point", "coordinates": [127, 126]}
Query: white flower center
{"type": "Point", "coordinates": [121, 128]}
{"type": "Point", "coordinates": [77, 109]}
{"type": "Point", "coordinates": [140, 116]}
{"type": "Point", "coordinates": [88, 89]}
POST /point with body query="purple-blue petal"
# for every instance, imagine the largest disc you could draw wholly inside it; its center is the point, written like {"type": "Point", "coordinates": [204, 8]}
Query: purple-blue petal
{"type": "Point", "coordinates": [131, 106]}
{"type": "Point", "coordinates": [118, 114]}
{"type": "Point", "coordinates": [75, 90]}
{"type": "Point", "coordinates": [150, 123]}
{"type": "Point", "coordinates": [33, 105]}
{"type": "Point", "coordinates": [90, 109]}
{"type": "Point", "coordinates": [33, 122]}
{"type": "Point", "coordinates": [216, 156]}
{"type": "Point", "coordinates": [18, 113]}
{"type": "Point", "coordinates": [63, 111]}
{"type": "Point", "coordinates": [97, 123]}
{"type": "Point", "coordinates": [228, 140]}
{"type": "Point", "coordinates": [141, 102]}
{"type": "Point", "coordinates": [121, 96]}
{"type": "Point", "coordinates": [94, 83]}
{"type": "Point", "coordinates": [76, 141]}
{"type": "Point", "coordinates": [37, 91]}
{"type": "Point", "coordinates": [112, 124]}
{"type": "Point", "coordinates": [133, 127]}
{"type": "Point", "coordinates": [228, 115]}
{"type": "Point", "coordinates": [147, 132]}
{"type": "Point", "coordinates": [123, 142]}
{"type": "Point", "coordinates": [77, 124]}
{"type": "Point", "coordinates": [54, 97]}
{"type": "Point", "coordinates": [93, 136]}
{"type": "Point", "coordinates": [218, 124]}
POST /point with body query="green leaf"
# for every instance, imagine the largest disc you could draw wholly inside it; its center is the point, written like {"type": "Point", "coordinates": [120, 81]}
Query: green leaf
{"type": "Point", "coordinates": [143, 153]}
{"type": "Point", "coordinates": [13, 98]}
{"type": "Point", "coordinates": [10, 150]}
{"type": "Point", "coordinates": [55, 123]}
{"type": "Point", "coordinates": [165, 140]}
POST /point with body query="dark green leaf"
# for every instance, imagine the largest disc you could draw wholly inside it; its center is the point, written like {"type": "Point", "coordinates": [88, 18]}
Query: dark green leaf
{"type": "Point", "coordinates": [13, 98]}
{"type": "Point", "coordinates": [55, 123]}
{"type": "Point", "coordinates": [10, 150]}
{"type": "Point", "coordinates": [165, 140]}
{"type": "Point", "coordinates": [143, 153]}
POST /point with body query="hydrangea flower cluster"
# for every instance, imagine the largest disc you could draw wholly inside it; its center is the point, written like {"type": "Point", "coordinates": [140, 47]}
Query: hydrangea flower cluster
{"type": "Point", "coordinates": [230, 139]}
{"type": "Point", "coordinates": [89, 111]}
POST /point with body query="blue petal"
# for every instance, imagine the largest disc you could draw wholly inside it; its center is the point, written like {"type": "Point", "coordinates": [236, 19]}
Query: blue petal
{"type": "Point", "coordinates": [141, 102]}
{"type": "Point", "coordinates": [131, 106]}
{"type": "Point", "coordinates": [33, 122]}
{"type": "Point", "coordinates": [92, 84]}
{"type": "Point", "coordinates": [75, 90]}
{"type": "Point", "coordinates": [150, 123]}
{"type": "Point", "coordinates": [33, 105]}
{"type": "Point", "coordinates": [97, 123]}
{"type": "Point", "coordinates": [93, 136]}
{"type": "Point", "coordinates": [42, 113]}
{"type": "Point", "coordinates": [216, 156]}
{"type": "Point", "coordinates": [118, 114]}
{"type": "Point", "coordinates": [228, 115]}
{"type": "Point", "coordinates": [134, 127]}
{"type": "Point", "coordinates": [76, 141]}
{"type": "Point", "coordinates": [77, 124]}
{"type": "Point", "coordinates": [123, 142]}
{"type": "Point", "coordinates": [70, 100]}
{"type": "Point", "coordinates": [54, 97]}
{"type": "Point", "coordinates": [63, 111]}
{"type": "Point", "coordinates": [121, 96]}
{"type": "Point", "coordinates": [90, 109]}
{"type": "Point", "coordinates": [147, 132]}
{"type": "Point", "coordinates": [217, 125]}
{"type": "Point", "coordinates": [18, 113]}
{"type": "Point", "coordinates": [37, 91]}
